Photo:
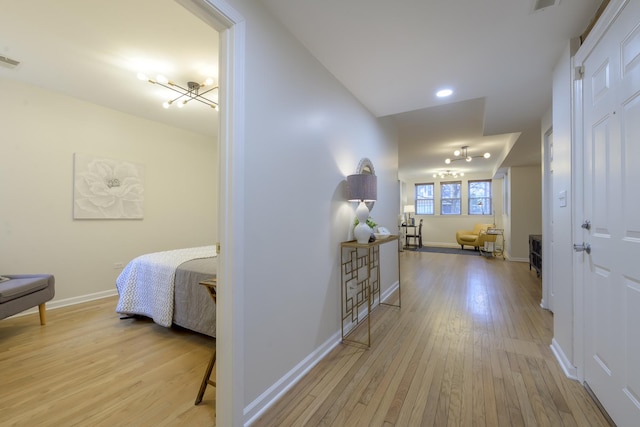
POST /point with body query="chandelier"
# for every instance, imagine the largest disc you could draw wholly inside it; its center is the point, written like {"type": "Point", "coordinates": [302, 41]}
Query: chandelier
{"type": "Point", "coordinates": [462, 154]}
{"type": "Point", "coordinates": [190, 93]}
{"type": "Point", "coordinates": [447, 174]}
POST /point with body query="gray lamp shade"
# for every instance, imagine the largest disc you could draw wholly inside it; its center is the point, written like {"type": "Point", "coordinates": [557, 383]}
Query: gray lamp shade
{"type": "Point", "coordinates": [362, 187]}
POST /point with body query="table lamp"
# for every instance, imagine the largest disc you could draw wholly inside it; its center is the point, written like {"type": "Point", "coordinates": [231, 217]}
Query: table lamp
{"type": "Point", "coordinates": [362, 188]}
{"type": "Point", "coordinates": [409, 209]}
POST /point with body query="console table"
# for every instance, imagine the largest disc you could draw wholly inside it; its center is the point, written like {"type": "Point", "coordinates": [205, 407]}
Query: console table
{"type": "Point", "coordinates": [360, 285]}
{"type": "Point", "coordinates": [415, 234]}
{"type": "Point", "coordinates": [535, 253]}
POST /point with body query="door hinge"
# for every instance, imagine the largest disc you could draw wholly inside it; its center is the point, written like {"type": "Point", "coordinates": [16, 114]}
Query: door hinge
{"type": "Point", "coordinates": [578, 72]}
{"type": "Point", "coordinates": [218, 248]}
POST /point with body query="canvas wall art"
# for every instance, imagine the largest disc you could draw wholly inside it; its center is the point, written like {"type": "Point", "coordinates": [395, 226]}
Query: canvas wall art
{"type": "Point", "coordinates": [107, 188]}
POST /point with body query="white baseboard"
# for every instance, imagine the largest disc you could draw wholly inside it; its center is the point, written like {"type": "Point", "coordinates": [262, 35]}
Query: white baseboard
{"type": "Point", "coordinates": [54, 303]}
{"type": "Point", "coordinates": [441, 244]}
{"type": "Point", "coordinates": [386, 294]}
{"type": "Point", "coordinates": [567, 367]}
{"type": "Point", "coordinates": [256, 408]}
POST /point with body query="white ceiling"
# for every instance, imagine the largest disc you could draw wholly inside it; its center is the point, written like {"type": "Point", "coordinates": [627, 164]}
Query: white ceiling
{"type": "Point", "coordinates": [93, 50]}
{"type": "Point", "coordinates": [497, 56]}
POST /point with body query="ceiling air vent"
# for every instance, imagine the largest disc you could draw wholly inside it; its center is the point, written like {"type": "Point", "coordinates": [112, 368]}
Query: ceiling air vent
{"type": "Point", "coordinates": [541, 4]}
{"type": "Point", "coordinates": [5, 61]}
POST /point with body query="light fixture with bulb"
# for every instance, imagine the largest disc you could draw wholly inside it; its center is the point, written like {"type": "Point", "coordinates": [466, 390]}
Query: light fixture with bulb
{"type": "Point", "coordinates": [190, 93]}
{"type": "Point", "coordinates": [447, 174]}
{"type": "Point", "coordinates": [444, 93]}
{"type": "Point", "coordinates": [462, 154]}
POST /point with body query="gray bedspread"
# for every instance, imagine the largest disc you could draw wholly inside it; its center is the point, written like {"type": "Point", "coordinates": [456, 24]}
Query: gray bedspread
{"type": "Point", "coordinates": [193, 307]}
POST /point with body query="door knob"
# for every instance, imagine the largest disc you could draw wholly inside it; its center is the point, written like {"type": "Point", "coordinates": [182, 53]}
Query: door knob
{"type": "Point", "coordinates": [585, 247]}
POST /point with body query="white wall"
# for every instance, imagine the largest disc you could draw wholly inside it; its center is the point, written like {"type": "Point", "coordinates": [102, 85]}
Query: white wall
{"type": "Point", "coordinates": [304, 134]}
{"type": "Point", "coordinates": [525, 211]}
{"type": "Point", "coordinates": [506, 211]}
{"type": "Point", "coordinates": [440, 230]}
{"type": "Point", "coordinates": [41, 130]}
{"type": "Point", "coordinates": [546, 142]}
{"type": "Point", "coordinates": [561, 276]}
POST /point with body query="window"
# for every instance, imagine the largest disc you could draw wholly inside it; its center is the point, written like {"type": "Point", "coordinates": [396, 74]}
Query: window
{"type": "Point", "coordinates": [480, 198]}
{"type": "Point", "coordinates": [450, 198]}
{"type": "Point", "coordinates": [424, 199]}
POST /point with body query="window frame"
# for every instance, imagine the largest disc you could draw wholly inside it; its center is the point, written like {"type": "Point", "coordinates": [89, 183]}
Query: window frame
{"type": "Point", "coordinates": [458, 199]}
{"type": "Point", "coordinates": [426, 199]}
{"type": "Point", "coordinates": [472, 201]}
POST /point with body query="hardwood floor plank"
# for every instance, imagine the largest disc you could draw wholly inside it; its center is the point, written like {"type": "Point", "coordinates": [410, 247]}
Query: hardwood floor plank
{"type": "Point", "coordinates": [88, 367]}
{"type": "Point", "coordinates": [526, 409]}
{"type": "Point", "coordinates": [323, 392]}
{"type": "Point", "coordinates": [414, 406]}
{"type": "Point", "coordinates": [481, 394]}
{"type": "Point", "coordinates": [416, 352]}
{"type": "Point", "coordinates": [548, 405]}
{"type": "Point", "coordinates": [581, 406]}
{"type": "Point", "coordinates": [516, 417]}
{"type": "Point", "coordinates": [493, 394]}
{"type": "Point", "coordinates": [436, 402]}
{"type": "Point", "coordinates": [540, 412]}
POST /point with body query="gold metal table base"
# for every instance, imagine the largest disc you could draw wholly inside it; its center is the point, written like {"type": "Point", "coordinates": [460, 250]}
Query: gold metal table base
{"type": "Point", "coordinates": [360, 285]}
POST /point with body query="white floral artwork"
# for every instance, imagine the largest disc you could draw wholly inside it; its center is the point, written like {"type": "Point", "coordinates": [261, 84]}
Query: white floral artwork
{"type": "Point", "coordinates": [107, 188]}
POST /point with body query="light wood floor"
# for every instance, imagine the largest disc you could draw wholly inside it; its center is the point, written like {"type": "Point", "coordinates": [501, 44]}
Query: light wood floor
{"type": "Point", "coordinates": [470, 346]}
{"type": "Point", "coordinates": [87, 367]}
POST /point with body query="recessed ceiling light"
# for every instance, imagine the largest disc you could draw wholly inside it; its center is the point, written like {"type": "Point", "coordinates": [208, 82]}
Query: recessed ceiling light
{"type": "Point", "coordinates": [444, 93]}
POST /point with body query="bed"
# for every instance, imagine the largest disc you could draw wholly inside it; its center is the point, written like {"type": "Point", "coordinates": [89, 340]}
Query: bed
{"type": "Point", "coordinates": [164, 286]}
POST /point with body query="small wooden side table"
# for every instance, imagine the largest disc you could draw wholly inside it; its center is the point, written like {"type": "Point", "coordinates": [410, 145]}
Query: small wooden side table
{"type": "Point", "coordinates": [211, 285]}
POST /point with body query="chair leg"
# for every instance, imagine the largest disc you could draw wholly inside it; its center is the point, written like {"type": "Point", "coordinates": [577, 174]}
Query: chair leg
{"type": "Point", "coordinates": [43, 314]}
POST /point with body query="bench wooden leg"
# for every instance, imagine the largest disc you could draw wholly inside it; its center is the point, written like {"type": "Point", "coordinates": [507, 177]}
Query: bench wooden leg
{"type": "Point", "coordinates": [43, 314]}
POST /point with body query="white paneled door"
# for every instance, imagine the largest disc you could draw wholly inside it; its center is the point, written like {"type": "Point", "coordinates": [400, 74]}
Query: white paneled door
{"type": "Point", "coordinates": [611, 149]}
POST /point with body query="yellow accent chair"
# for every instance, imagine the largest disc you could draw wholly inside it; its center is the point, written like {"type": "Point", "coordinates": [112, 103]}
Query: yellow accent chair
{"type": "Point", "coordinates": [475, 237]}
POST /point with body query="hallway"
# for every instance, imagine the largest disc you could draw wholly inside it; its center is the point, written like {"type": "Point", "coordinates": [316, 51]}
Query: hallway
{"type": "Point", "coordinates": [470, 346]}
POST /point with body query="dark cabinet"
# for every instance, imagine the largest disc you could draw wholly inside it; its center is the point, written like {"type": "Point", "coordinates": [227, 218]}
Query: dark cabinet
{"type": "Point", "coordinates": [535, 253]}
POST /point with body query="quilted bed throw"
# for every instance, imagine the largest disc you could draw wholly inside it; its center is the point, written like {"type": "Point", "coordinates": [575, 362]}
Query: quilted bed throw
{"type": "Point", "coordinates": [146, 284]}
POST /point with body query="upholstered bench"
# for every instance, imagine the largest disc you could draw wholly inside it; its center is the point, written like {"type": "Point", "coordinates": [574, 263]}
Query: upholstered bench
{"type": "Point", "coordinates": [25, 291]}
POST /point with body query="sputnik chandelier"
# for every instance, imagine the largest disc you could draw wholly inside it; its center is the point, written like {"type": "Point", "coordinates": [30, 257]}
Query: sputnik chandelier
{"type": "Point", "coordinates": [447, 174]}
{"type": "Point", "coordinates": [462, 154]}
{"type": "Point", "coordinates": [190, 93]}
